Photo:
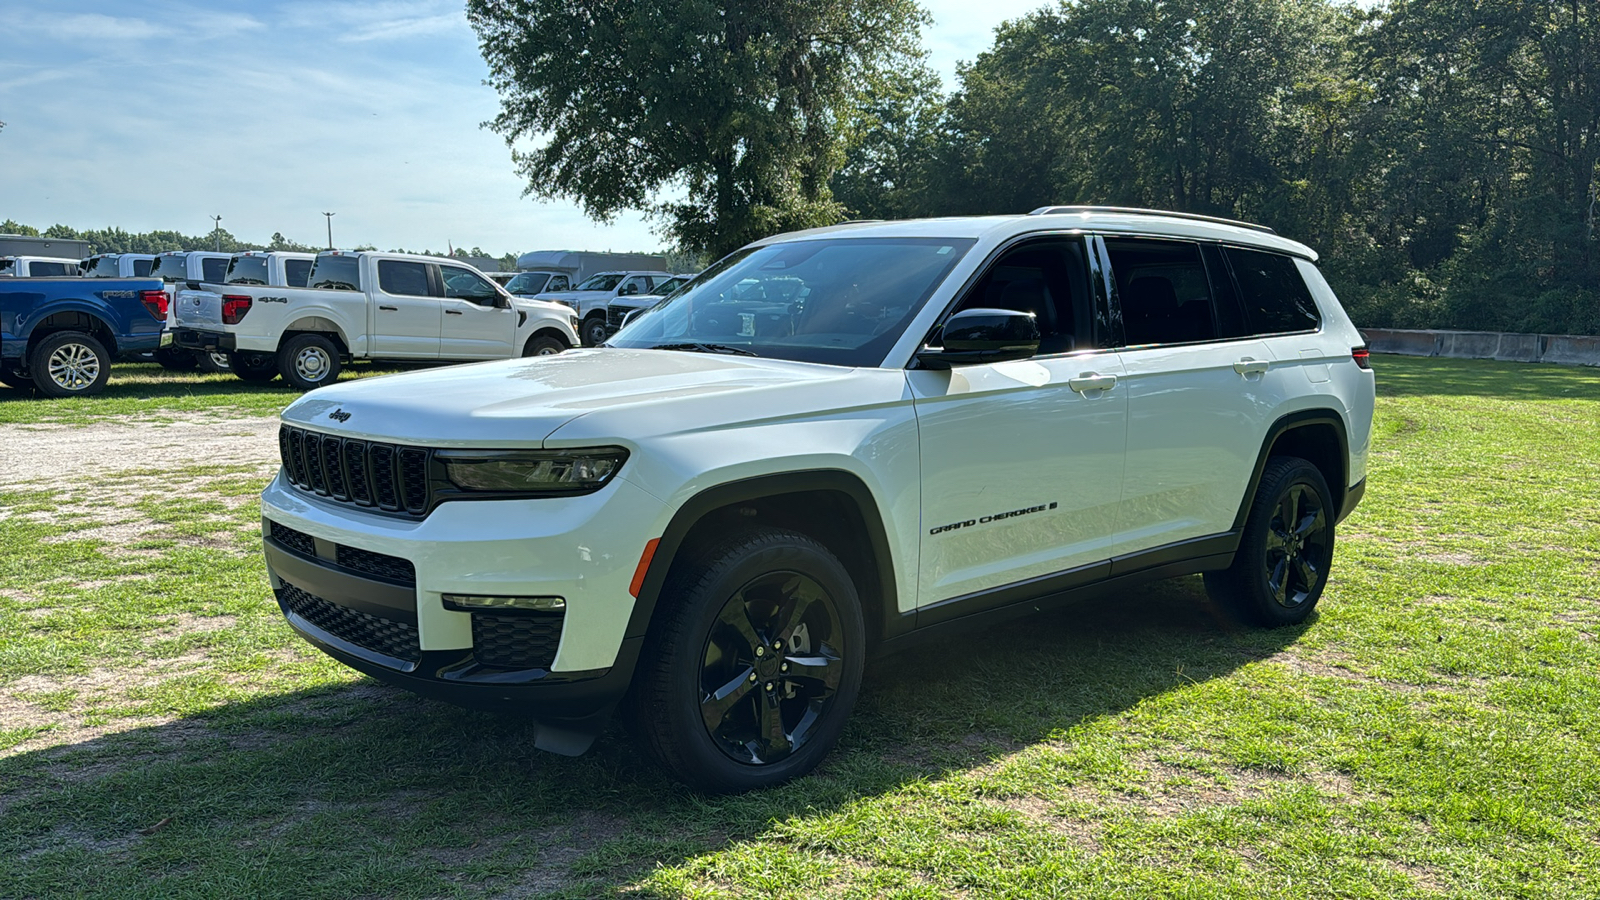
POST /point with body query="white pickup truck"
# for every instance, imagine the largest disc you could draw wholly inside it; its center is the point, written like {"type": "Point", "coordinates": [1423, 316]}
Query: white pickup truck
{"type": "Point", "coordinates": [118, 265]}
{"type": "Point", "coordinates": [273, 268]}
{"type": "Point", "coordinates": [37, 267]}
{"type": "Point", "coordinates": [593, 298]}
{"type": "Point", "coordinates": [176, 268]}
{"type": "Point", "coordinates": [365, 305]}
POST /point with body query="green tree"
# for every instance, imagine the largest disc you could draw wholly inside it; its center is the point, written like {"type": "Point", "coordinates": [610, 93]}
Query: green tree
{"type": "Point", "coordinates": [731, 108]}
{"type": "Point", "coordinates": [11, 226]}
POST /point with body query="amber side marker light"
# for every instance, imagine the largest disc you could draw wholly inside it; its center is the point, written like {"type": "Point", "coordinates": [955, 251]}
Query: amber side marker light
{"type": "Point", "coordinates": [644, 566]}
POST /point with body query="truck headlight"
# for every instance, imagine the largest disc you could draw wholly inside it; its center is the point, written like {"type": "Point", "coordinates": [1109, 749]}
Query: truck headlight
{"type": "Point", "coordinates": [532, 472]}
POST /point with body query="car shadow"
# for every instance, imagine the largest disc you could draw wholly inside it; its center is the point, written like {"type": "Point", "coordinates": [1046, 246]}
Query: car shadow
{"type": "Point", "coordinates": [360, 774]}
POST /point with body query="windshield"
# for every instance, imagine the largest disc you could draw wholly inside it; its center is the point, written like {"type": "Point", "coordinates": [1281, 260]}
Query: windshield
{"type": "Point", "coordinates": [841, 301]}
{"type": "Point", "coordinates": [171, 268]}
{"type": "Point", "coordinates": [605, 281]}
{"type": "Point", "coordinates": [247, 270]}
{"type": "Point", "coordinates": [528, 282]}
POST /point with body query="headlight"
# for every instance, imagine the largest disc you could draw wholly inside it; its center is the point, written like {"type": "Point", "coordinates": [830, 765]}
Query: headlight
{"type": "Point", "coordinates": [532, 471]}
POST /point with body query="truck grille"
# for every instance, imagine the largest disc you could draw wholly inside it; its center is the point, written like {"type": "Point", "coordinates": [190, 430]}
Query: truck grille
{"type": "Point", "coordinates": [384, 477]}
{"type": "Point", "coordinates": [615, 315]}
{"type": "Point", "coordinates": [516, 641]}
{"type": "Point", "coordinates": [367, 562]}
{"type": "Point", "coordinates": [386, 636]}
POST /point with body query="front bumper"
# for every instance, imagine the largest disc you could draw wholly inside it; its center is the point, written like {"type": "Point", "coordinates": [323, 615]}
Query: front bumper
{"type": "Point", "coordinates": [194, 339]}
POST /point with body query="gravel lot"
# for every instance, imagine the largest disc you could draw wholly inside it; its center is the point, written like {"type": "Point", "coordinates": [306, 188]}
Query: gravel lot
{"type": "Point", "coordinates": [45, 455]}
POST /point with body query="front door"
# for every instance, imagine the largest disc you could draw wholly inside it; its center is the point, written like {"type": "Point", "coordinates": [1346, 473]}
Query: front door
{"type": "Point", "coordinates": [405, 313]}
{"type": "Point", "coordinates": [474, 325]}
{"type": "Point", "coordinates": [1022, 461]}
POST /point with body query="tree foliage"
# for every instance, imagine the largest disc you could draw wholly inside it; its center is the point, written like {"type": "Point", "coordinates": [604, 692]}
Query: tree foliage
{"type": "Point", "coordinates": [731, 110]}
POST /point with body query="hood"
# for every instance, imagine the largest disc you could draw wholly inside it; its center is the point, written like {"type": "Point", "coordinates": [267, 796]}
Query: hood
{"type": "Point", "coordinates": [520, 402]}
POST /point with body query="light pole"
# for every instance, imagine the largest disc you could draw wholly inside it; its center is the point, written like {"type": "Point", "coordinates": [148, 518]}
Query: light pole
{"type": "Point", "coordinates": [216, 232]}
{"type": "Point", "coordinates": [330, 229]}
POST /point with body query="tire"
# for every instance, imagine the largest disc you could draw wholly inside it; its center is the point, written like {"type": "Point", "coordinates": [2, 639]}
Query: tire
{"type": "Point", "coordinates": [711, 655]}
{"type": "Point", "coordinates": [257, 368]}
{"type": "Point", "coordinates": [593, 331]}
{"type": "Point", "coordinates": [1286, 550]}
{"type": "Point", "coordinates": [70, 364]}
{"type": "Point", "coordinates": [175, 359]}
{"type": "Point", "coordinates": [543, 345]}
{"type": "Point", "coordinates": [308, 361]}
{"type": "Point", "coordinates": [214, 361]}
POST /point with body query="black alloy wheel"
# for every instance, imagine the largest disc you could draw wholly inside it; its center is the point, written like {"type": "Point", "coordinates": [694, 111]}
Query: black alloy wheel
{"type": "Point", "coordinates": [1286, 550]}
{"type": "Point", "coordinates": [753, 662]}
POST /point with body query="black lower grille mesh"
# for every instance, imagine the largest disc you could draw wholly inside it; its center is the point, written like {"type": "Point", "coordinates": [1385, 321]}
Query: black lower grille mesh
{"type": "Point", "coordinates": [516, 642]}
{"type": "Point", "coordinates": [298, 541]}
{"type": "Point", "coordinates": [386, 636]}
{"type": "Point", "coordinates": [389, 568]}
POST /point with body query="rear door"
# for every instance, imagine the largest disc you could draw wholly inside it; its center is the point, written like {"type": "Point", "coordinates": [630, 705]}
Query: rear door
{"type": "Point", "coordinates": [474, 324]}
{"type": "Point", "coordinates": [405, 312]}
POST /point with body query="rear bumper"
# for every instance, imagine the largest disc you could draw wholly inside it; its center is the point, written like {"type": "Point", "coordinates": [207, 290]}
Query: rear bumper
{"type": "Point", "coordinates": [209, 341]}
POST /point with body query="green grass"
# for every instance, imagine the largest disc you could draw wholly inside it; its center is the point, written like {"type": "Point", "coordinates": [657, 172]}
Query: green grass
{"type": "Point", "coordinates": [1433, 732]}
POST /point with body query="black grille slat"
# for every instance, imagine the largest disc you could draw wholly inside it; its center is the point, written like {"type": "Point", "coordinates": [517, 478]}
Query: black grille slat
{"type": "Point", "coordinates": [389, 568]}
{"type": "Point", "coordinates": [393, 478]}
{"type": "Point", "coordinates": [385, 636]}
{"type": "Point", "coordinates": [516, 641]}
{"type": "Point", "coordinates": [298, 541]}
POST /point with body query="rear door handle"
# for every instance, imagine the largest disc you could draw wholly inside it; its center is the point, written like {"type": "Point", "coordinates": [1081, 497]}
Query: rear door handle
{"type": "Point", "coordinates": [1092, 381]}
{"type": "Point", "coordinates": [452, 312]}
{"type": "Point", "coordinates": [1249, 366]}
{"type": "Point", "coordinates": [389, 308]}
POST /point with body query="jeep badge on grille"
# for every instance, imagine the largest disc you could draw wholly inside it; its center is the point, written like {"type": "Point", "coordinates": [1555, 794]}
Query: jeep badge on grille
{"type": "Point", "coordinates": [339, 415]}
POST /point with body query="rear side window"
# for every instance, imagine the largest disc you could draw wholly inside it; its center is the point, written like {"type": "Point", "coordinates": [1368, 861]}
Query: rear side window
{"type": "Point", "coordinates": [1165, 294]}
{"type": "Point", "coordinates": [337, 273]}
{"type": "Point", "coordinates": [296, 271]}
{"type": "Point", "coordinates": [171, 268]}
{"type": "Point", "coordinates": [247, 270]}
{"type": "Point", "coordinates": [143, 267]}
{"type": "Point", "coordinates": [213, 269]}
{"type": "Point", "coordinates": [1275, 297]}
{"type": "Point", "coordinates": [403, 278]}
{"type": "Point", "coordinates": [8, 267]}
{"type": "Point", "coordinates": [49, 269]}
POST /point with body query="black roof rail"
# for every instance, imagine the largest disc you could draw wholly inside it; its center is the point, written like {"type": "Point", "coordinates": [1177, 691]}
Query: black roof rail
{"type": "Point", "coordinates": [1135, 211]}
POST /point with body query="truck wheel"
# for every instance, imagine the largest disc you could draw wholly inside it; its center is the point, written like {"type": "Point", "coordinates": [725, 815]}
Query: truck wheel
{"type": "Point", "coordinates": [543, 345]}
{"type": "Point", "coordinates": [70, 364]}
{"type": "Point", "coordinates": [751, 673]}
{"type": "Point", "coordinates": [1282, 564]}
{"type": "Point", "coordinates": [214, 361]}
{"type": "Point", "coordinates": [175, 359]}
{"type": "Point", "coordinates": [308, 361]}
{"type": "Point", "coordinates": [594, 331]}
{"type": "Point", "coordinates": [257, 368]}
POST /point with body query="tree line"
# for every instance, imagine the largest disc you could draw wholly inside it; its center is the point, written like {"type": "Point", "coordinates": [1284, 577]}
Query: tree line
{"type": "Point", "coordinates": [1442, 155]}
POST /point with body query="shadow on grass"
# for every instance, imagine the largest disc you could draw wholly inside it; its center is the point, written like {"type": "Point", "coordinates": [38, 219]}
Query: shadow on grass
{"type": "Point", "coordinates": [368, 790]}
{"type": "Point", "coordinates": [1411, 376]}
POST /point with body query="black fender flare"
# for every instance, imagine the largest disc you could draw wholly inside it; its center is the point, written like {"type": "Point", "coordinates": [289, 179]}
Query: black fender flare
{"type": "Point", "coordinates": [1279, 428]}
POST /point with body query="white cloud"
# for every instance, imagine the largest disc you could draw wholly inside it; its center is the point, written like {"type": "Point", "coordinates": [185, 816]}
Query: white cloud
{"type": "Point", "coordinates": [83, 27]}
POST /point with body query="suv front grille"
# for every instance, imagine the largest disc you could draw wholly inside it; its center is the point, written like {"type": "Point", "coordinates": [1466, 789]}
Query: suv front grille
{"type": "Point", "coordinates": [386, 636]}
{"type": "Point", "coordinates": [516, 641]}
{"type": "Point", "coordinates": [384, 477]}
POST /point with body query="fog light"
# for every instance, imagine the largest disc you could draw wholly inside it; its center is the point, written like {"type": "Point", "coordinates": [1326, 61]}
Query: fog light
{"type": "Point", "coordinates": [476, 603]}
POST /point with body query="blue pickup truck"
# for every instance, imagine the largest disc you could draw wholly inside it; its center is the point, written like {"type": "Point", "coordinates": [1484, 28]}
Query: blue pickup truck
{"type": "Point", "coordinates": [60, 334]}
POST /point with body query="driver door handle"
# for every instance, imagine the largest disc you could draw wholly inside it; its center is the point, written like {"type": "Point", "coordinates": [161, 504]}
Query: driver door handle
{"type": "Point", "coordinates": [1092, 381]}
{"type": "Point", "coordinates": [1251, 366]}
{"type": "Point", "coordinates": [452, 312]}
{"type": "Point", "coordinates": [389, 308]}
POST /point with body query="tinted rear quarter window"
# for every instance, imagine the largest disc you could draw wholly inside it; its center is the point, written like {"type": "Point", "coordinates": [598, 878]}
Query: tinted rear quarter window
{"type": "Point", "coordinates": [336, 273]}
{"type": "Point", "coordinates": [48, 269]}
{"type": "Point", "coordinates": [143, 267]}
{"type": "Point", "coordinates": [1274, 296]}
{"type": "Point", "coordinates": [171, 268]}
{"type": "Point", "coordinates": [213, 269]}
{"type": "Point", "coordinates": [296, 271]}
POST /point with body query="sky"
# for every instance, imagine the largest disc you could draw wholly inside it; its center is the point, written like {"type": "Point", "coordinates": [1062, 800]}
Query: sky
{"type": "Point", "coordinates": [160, 115]}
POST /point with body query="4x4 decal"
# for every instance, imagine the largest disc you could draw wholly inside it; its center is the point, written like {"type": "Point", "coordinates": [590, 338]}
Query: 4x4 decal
{"type": "Point", "coordinates": [994, 518]}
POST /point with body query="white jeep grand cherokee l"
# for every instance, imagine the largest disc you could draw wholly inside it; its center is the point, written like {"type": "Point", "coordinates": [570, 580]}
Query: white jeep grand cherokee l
{"type": "Point", "coordinates": [834, 441]}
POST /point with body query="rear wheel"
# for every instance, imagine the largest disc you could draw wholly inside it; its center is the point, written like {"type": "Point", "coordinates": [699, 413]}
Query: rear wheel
{"type": "Point", "coordinates": [1286, 550]}
{"type": "Point", "coordinates": [176, 359]}
{"type": "Point", "coordinates": [70, 364]}
{"type": "Point", "coordinates": [253, 367]}
{"type": "Point", "coordinates": [213, 361]}
{"type": "Point", "coordinates": [308, 361]}
{"type": "Point", "coordinates": [752, 673]}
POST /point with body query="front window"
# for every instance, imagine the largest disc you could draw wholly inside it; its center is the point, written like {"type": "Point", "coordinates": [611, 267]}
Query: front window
{"type": "Point", "coordinates": [464, 284]}
{"type": "Point", "coordinates": [605, 281]}
{"type": "Point", "coordinates": [528, 282]}
{"type": "Point", "coordinates": [171, 268]}
{"type": "Point", "coordinates": [841, 301]}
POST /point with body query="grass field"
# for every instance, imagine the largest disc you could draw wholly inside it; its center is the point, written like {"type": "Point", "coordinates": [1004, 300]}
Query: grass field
{"type": "Point", "coordinates": [1432, 732]}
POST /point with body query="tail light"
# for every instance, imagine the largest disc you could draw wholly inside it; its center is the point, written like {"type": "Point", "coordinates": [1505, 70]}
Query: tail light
{"type": "Point", "coordinates": [155, 303]}
{"type": "Point", "coordinates": [1362, 357]}
{"type": "Point", "coordinates": [234, 306]}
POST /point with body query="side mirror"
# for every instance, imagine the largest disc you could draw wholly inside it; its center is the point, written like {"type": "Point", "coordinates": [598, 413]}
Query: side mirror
{"type": "Point", "coordinates": [983, 336]}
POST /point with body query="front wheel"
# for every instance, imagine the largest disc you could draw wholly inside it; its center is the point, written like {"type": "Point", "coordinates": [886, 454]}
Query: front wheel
{"type": "Point", "coordinates": [70, 364]}
{"type": "Point", "coordinates": [543, 345]}
{"type": "Point", "coordinates": [594, 331]}
{"type": "Point", "coordinates": [308, 361]}
{"type": "Point", "coordinates": [749, 678]}
{"type": "Point", "coordinates": [1286, 550]}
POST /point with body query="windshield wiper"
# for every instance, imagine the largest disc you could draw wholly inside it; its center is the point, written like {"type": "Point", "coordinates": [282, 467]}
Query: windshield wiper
{"type": "Point", "coordinates": [705, 348]}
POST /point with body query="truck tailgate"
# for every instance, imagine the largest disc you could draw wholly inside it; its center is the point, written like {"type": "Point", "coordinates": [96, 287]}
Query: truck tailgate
{"type": "Point", "coordinates": [198, 309]}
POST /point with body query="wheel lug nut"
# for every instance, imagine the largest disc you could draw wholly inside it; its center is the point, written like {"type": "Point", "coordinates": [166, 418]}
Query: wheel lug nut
{"type": "Point", "coordinates": [769, 685]}
{"type": "Point", "coordinates": [753, 677]}
{"type": "Point", "coordinates": [778, 647]}
{"type": "Point", "coordinates": [761, 651]}
{"type": "Point", "coordinates": [784, 667]}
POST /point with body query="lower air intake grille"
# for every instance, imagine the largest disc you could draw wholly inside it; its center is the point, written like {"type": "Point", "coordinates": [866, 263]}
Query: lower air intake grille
{"type": "Point", "coordinates": [298, 541]}
{"type": "Point", "coordinates": [385, 636]}
{"type": "Point", "coordinates": [516, 641]}
{"type": "Point", "coordinates": [389, 568]}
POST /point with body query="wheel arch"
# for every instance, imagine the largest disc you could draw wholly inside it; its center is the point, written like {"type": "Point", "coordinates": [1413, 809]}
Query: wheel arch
{"type": "Point", "coordinates": [73, 320]}
{"type": "Point", "coordinates": [832, 506]}
{"type": "Point", "coordinates": [548, 331]}
{"type": "Point", "coordinates": [316, 324]}
{"type": "Point", "coordinates": [1320, 437]}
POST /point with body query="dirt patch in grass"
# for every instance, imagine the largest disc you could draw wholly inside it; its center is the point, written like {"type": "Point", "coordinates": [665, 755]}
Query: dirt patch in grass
{"type": "Point", "coordinates": [1083, 834]}
{"type": "Point", "coordinates": [65, 456]}
{"type": "Point", "coordinates": [559, 846]}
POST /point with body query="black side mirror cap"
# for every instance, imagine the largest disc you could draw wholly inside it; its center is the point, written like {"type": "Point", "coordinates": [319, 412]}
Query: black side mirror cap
{"type": "Point", "coordinates": [974, 336]}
